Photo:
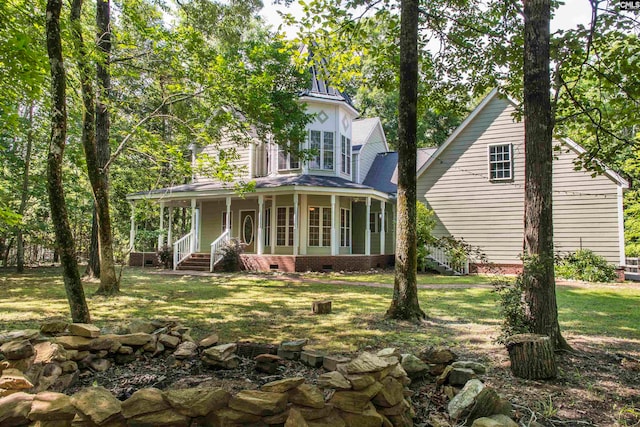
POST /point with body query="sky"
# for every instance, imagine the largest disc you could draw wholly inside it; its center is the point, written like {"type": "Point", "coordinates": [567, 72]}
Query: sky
{"type": "Point", "coordinates": [570, 14]}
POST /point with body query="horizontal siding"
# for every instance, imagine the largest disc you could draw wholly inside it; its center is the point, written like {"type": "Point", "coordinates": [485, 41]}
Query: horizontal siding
{"type": "Point", "coordinates": [369, 152]}
{"type": "Point", "coordinates": [489, 215]}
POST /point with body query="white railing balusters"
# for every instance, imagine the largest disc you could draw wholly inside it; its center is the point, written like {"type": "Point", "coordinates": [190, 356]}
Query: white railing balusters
{"type": "Point", "coordinates": [183, 248]}
{"type": "Point", "coordinates": [440, 256]}
{"type": "Point", "coordinates": [216, 256]}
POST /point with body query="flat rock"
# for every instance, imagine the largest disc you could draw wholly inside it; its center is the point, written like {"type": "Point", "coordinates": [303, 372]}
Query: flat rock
{"type": "Point", "coordinates": [477, 367]}
{"type": "Point", "coordinates": [310, 414]}
{"type": "Point", "coordinates": [84, 330]}
{"type": "Point", "coordinates": [197, 402]}
{"type": "Point", "coordinates": [101, 343]}
{"type": "Point", "coordinates": [72, 342]}
{"type": "Point", "coordinates": [13, 379]}
{"type": "Point", "coordinates": [464, 401]}
{"type": "Point", "coordinates": [295, 419]}
{"type": "Point", "coordinates": [15, 408]}
{"type": "Point", "coordinates": [259, 402]}
{"type": "Point", "coordinates": [359, 382]}
{"type": "Point", "coordinates": [24, 334]}
{"type": "Point", "coordinates": [16, 350]}
{"type": "Point", "coordinates": [498, 420]}
{"type": "Point", "coordinates": [125, 349]}
{"type": "Point", "coordinates": [293, 346]}
{"type": "Point", "coordinates": [144, 401]}
{"type": "Point", "coordinates": [355, 401]}
{"type": "Point", "coordinates": [185, 350]}
{"type": "Point", "coordinates": [334, 380]}
{"type": "Point", "coordinates": [48, 406]}
{"type": "Point", "coordinates": [365, 363]}
{"type": "Point", "coordinates": [169, 341]}
{"type": "Point", "coordinates": [139, 325]}
{"type": "Point", "coordinates": [166, 418]}
{"type": "Point", "coordinates": [307, 395]}
{"type": "Point", "coordinates": [413, 366]}
{"type": "Point", "coordinates": [398, 409]}
{"type": "Point", "coordinates": [230, 417]}
{"type": "Point", "coordinates": [438, 355]}
{"type": "Point", "coordinates": [369, 417]}
{"type": "Point", "coordinates": [332, 420]}
{"type": "Point", "coordinates": [330, 363]}
{"type": "Point", "coordinates": [283, 386]}
{"type": "Point", "coordinates": [391, 393]}
{"type": "Point", "coordinates": [209, 340]}
{"type": "Point", "coordinates": [97, 404]}
{"type": "Point", "coordinates": [136, 340]}
{"type": "Point", "coordinates": [220, 352]}
{"type": "Point", "coordinates": [460, 376]}
{"type": "Point", "coordinates": [389, 351]}
{"type": "Point", "coordinates": [231, 362]}
{"type": "Point", "coordinates": [99, 365]}
{"type": "Point", "coordinates": [47, 352]}
{"type": "Point", "coordinates": [53, 327]}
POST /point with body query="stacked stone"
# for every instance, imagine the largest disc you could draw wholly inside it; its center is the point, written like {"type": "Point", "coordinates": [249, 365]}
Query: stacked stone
{"type": "Point", "coordinates": [221, 356]}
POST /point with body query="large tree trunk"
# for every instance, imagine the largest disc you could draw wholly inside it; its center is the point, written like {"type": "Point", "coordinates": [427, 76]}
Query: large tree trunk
{"type": "Point", "coordinates": [108, 279]}
{"type": "Point", "coordinates": [64, 238]}
{"type": "Point", "coordinates": [25, 192]}
{"type": "Point", "coordinates": [538, 275]}
{"type": "Point", "coordinates": [405, 290]}
{"type": "Point", "coordinates": [109, 283]}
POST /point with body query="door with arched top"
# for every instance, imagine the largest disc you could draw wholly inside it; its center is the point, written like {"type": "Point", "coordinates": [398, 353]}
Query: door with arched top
{"type": "Point", "coordinates": [248, 230]}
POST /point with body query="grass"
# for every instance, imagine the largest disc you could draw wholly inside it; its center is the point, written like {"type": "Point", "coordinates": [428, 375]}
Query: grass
{"type": "Point", "coordinates": [271, 308]}
{"type": "Point", "coordinates": [423, 279]}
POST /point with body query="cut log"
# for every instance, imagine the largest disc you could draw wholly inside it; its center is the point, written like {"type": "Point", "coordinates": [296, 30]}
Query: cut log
{"type": "Point", "coordinates": [321, 307]}
{"type": "Point", "coordinates": [531, 356]}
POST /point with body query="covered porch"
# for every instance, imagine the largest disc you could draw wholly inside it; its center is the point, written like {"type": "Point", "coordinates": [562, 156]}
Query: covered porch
{"type": "Point", "coordinates": [285, 228]}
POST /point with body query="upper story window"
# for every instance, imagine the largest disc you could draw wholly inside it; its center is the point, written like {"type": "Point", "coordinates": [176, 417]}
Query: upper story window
{"type": "Point", "coordinates": [322, 143]}
{"type": "Point", "coordinates": [346, 155]}
{"type": "Point", "coordinates": [500, 162]}
{"type": "Point", "coordinates": [287, 160]}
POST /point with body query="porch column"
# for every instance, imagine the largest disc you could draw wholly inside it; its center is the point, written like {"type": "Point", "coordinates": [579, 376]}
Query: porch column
{"type": "Point", "coordinates": [296, 229]}
{"type": "Point", "coordinates": [334, 227]}
{"type": "Point", "coordinates": [132, 231]}
{"type": "Point", "coordinates": [367, 233]}
{"type": "Point", "coordinates": [259, 233]}
{"type": "Point", "coordinates": [161, 234]}
{"type": "Point", "coordinates": [193, 225]}
{"type": "Point", "coordinates": [383, 207]}
{"type": "Point", "coordinates": [272, 238]}
{"type": "Point", "coordinates": [227, 224]}
{"type": "Point", "coordinates": [169, 229]}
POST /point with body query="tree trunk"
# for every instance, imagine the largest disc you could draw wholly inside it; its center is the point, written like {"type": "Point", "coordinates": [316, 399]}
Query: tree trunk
{"type": "Point", "coordinates": [538, 274]}
{"type": "Point", "coordinates": [532, 356]}
{"type": "Point", "coordinates": [25, 193]}
{"type": "Point", "coordinates": [93, 263]}
{"type": "Point", "coordinates": [64, 238]}
{"type": "Point", "coordinates": [109, 283]}
{"type": "Point", "coordinates": [108, 278]}
{"type": "Point", "coordinates": [405, 290]}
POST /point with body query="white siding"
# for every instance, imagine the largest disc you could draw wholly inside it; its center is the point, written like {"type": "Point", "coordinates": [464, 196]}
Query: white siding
{"type": "Point", "coordinates": [490, 214]}
{"type": "Point", "coordinates": [241, 151]}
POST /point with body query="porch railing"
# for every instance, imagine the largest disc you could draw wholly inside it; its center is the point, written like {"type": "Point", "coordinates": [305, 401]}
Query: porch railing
{"type": "Point", "coordinates": [216, 256]}
{"type": "Point", "coordinates": [632, 265]}
{"type": "Point", "coordinates": [183, 248]}
{"type": "Point", "coordinates": [439, 255]}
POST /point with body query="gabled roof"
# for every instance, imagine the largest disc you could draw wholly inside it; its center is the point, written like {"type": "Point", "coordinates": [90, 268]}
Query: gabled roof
{"type": "Point", "coordinates": [494, 93]}
{"type": "Point", "coordinates": [382, 175]}
{"type": "Point", "coordinates": [321, 89]}
{"type": "Point", "coordinates": [361, 131]}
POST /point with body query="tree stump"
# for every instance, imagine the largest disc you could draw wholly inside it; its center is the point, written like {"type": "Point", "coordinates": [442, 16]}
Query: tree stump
{"type": "Point", "coordinates": [321, 307]}
{"type": "Point", "coordinates": [531, 356]}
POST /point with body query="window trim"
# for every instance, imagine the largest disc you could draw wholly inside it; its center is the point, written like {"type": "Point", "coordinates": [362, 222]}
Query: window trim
{"type": "Point", "coordinates": [289, 158]}
{"type": "Point", "coordinates": [267, 226]}
{"type": "Point", "coordinates": [321, 159]}
{"type": "Point", "coordinates": [345, 229]}
{"type": "Point", "coordinates": [289, 229]}
{"type": "Point", "coordinates": [491, 162]}
{"type": "Point", "coordinates": [376, 221]}
{"type": "Point", "coordinates": [345, 154]}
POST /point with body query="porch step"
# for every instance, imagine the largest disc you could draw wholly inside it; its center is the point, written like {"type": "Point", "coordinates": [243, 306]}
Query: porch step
{"type": "Point", "coordinates": [196, 262]}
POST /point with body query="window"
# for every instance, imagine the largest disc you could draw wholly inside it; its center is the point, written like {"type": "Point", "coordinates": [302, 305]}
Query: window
{"type": "Point", "coordinates": [267, 227]}
{"type": "Point", "coordinates": [224, 220]}
{"type": "Point", "coordinates": [346, 155]}
{"type": "Point", "coordinates": [322, 144]}
{"type": "Point", "coordinates": [284, 226]}
{"type": "Point", "coordinates": [345, 227]}
{"type": "Point", "coordinates": [374, 222]}
{"type": "Point", "coordinates": [286, 159]}
{"type": "Point", "coordinates": [500, 162]}
{"type": "Point", "coordinates": [319, 226]}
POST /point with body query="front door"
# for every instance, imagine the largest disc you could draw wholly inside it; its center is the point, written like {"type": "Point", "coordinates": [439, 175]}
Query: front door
{"type": "Point", "coordinates": [248, 230]}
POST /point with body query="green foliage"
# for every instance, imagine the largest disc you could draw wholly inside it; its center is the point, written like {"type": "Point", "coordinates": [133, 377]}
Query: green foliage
{"type": "Point", "coordinates": [584, 264]}
{"type": "Point", "coordinates": [165, 256]}
{"type": "Point", "coordinates": [512, 308]}
{"type": "Point", "coordinates": [425, 221]}
{"type": "Point", "coordinates": [231, 255]}
{"type": "Point", "coordinates": [459, 252]}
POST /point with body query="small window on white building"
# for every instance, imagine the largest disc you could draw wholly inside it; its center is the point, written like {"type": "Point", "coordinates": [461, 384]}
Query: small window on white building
{"type": "Point", "coordinates": [500, 162]}
{"type": "Point", "coordinates": [346, 155]}
{"type": "Point", "coordinates": [374, 222]}
{"type": "Point", "coordinates": [287, 160]}
{"type": "Point", "coordinates": [322, 144]}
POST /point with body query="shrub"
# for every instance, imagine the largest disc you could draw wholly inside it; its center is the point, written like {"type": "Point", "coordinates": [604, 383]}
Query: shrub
{"type": "Point", "coordinates": [584, 265]}
{"type": "Point", "coordinates": [231, 255]}
{"type": "Point", "coordinates": [165, 256]}
{"type": "Point", "coordinates": [512, 308]}
{"type": "Point", "coordinates": [425, 221]}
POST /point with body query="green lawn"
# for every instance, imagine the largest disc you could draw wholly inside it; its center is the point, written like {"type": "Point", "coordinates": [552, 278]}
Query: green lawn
{"type": "Point", "coordinates": [270, 308]}
{"type": "Point", "coordinates": [387, 278]}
